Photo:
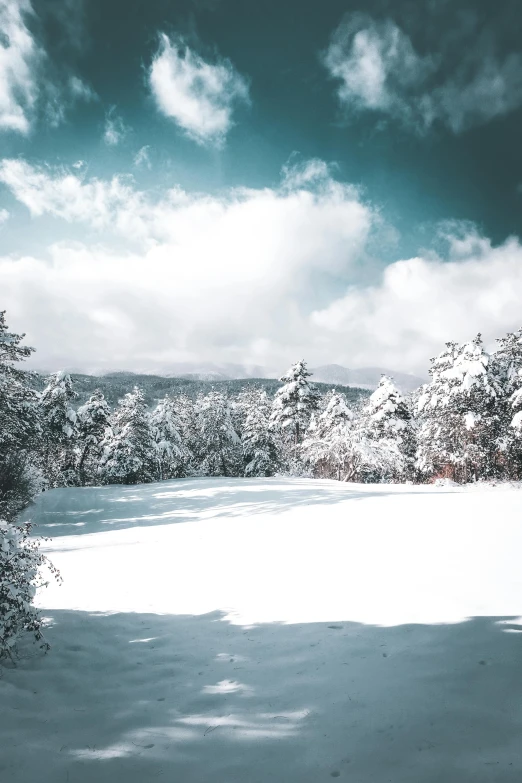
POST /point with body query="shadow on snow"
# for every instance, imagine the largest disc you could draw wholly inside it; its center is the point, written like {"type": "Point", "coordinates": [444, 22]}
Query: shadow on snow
{"type": "Point", "coordinates": [136, 697]}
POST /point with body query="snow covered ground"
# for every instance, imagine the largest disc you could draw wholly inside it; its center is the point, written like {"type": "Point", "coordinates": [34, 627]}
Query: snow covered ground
{"type": "Point", "coordinates": [247, 631]}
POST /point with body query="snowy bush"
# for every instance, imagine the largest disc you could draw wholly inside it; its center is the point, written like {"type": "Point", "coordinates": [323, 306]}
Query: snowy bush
{"type": "Point", "coordinates": [20, 575]}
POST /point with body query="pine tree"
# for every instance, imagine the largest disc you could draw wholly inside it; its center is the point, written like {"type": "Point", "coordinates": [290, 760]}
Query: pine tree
{"type": "Point", "coordinates": [59, 430]}
{"type": "Point", "coordinates": [508, 362]}
{"type": "Point", "coordinates": [458, 414]}
{"type": "Point", "coordinates": [92, 424]}
{"type": "Point", "coordinates": [388, 416]}
{"type": "Point", "coordinates": [218, 447]}
{"type": "Point", "coordinates": [294, 403]}
{"type": "Point", "coordinates": [128, 450]}
{"type": "Point", "coordinates": [327, 446]}
{"type": "Point", "coordinates": [172, 455]}
{"type": "Point", "coordinates": [20, 429]}
{"type": "Point", "coordinates": [259, 445]}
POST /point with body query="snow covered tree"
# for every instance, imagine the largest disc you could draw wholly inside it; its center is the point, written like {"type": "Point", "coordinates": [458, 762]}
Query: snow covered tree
{"type": "Point", "coordinates": [128, 448]}
{"type": "Point", "coordinates": [388, 417]}
{"type": "Point", "coordinates": [259, 443]}
{"type": "Point", "coordinates": [59, 430]}
{"type": "Point", "coordinates": [294, 403]}
{"type": "Point", "coordinates": [458, 414]}
{"type": "Point", "coordinates": [508, 362]}
{"type": "Point", "coordinates": [92, 419]}
{"type": "Point", "coordinates": [21, 563]}
{"type": "Point", "coordinates": [172, 455]}
{"type": "Point", "coordinates": [218, 447]}
{"type": "Point", "coordinates": [327, 446]}
{"type": "Point", "coordinates": [20, 429]}
{"type": "Point", "coordinates": [338, 444]}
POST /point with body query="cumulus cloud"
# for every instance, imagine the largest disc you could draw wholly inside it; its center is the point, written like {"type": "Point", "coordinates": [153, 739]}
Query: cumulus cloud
{"type": "Point", "coordinates": [420, 303]}
{"type": "Point", "coordinates": [203, 276]}
{"type": "Point", "coordinates": [199, 96]}
{"type": "Point", "coordinates": [379, 70]}
{"type": "Point", "coordinates": [245, 276]}
{"type": "Point", "coordinates": [4, 216]}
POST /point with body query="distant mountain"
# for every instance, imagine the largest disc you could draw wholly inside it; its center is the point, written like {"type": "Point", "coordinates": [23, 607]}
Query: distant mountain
{"type": "Point", "coordinates": [364, 377]}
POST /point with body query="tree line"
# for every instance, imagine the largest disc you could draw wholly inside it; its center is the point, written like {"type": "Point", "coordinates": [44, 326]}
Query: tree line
{"type": "Point", "coordinates": [465, 424]}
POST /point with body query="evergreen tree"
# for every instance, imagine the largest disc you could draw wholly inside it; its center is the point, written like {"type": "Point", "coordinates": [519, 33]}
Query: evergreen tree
{"type": "Point", "coordinates": [218, 446]}
{"type": "Point", "coordinates": [128, 448]}
{"type": "Point", "coordinates": [327, 446]}
{"type": "Point", "coordinates": [20, 429]}
{"type": "Point", "coordinates": [508, 361]}
{"type": "Point", "coordinates": [172, 456]}
{"type": "Point", "coordinates": [259, 446]}
{"type": "Point", "coordinates": [93, 421]}
{"type": "Point", "coordinates": [294, 403]}
{"type": "Point", "coordinates": [458, 414]}
{"type": "Point", "coordinates": [388, 416]}
{"type": "Point", "coordinates": [59, 430]}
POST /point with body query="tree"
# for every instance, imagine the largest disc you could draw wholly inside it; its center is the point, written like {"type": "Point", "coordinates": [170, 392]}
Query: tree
{"type": "Point", "coordinates": [218, 447]}
{"type": "Point", "coordinates": [172, 455]}
{"type": "Point", "coordinates": [20, 429]}
{"type": "Point", "coordinates": [92, 424]}
{"type": "Point", "coordinates": [458, 414]}
{"type": "Point", "coordinates": [327, 446]}
{"type": "Point", "coordinates": [388, 417]}
{"type": "Point", "coordinates": [340, 445]}
{"type": "Point", "coordinates": [259, 446]}
{"type": "Point", "coordinates": [508, 363]}
{"type": "Point", "coordinates": [128, 450]}
{"type": "Point", "coordinates": [59, 430]}
{"type": "Point", "coordinates": [294, 403]}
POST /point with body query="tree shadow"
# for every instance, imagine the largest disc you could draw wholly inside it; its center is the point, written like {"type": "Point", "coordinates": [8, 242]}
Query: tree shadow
{"type": "Point", "coordinates": [138, 697]}
{"type": "Point", "coordinates": [66, 511]}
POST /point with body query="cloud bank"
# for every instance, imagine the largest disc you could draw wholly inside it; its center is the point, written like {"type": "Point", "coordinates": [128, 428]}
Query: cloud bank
{"type": "Point", "coordinates": [248, 276]}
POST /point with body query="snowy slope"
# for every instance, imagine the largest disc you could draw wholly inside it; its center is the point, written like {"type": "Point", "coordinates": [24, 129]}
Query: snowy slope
{"type": "Point", "coordinates": [273, 630]}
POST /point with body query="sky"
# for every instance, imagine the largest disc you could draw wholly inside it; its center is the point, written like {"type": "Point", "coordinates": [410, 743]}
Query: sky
{"type": "Point", "coordinates": [253, 183]}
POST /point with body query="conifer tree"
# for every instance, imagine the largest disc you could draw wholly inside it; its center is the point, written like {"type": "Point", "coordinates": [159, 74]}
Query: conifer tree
{"type": "Point", "coordinates": [93, 421]}
{"type": "Point", "coordinates": [294, 403]}
{"type": "Point", "coordinates": [128, 450]}
{"type": "Point", "coordinates": [218, 446]}
{"type": "Point", "coordinates": [258, 440]}
{"type": "Point", "coordinates": [20, 429]}
{"type": "Point", "coordinates": [59, 430]}
{"type": "Point", "coordinates": [388, 417]}
{"type": "Point", "coordinates": [172, 455]}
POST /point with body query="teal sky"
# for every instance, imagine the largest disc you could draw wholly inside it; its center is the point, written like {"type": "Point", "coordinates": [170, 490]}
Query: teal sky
{"type": "Point", "coordinates": [416, 104]}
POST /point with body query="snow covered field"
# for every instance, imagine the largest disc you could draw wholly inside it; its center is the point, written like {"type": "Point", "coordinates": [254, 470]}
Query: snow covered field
{"type": "Point", "coordinates": [247, 631]}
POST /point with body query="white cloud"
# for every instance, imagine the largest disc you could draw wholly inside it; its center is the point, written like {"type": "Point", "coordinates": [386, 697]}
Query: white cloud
{"type": "Point", "coordinates": [4, 215]}
{"type": "Point", "coordinates": [421, 303]}
{"type": "Point", "coordinates": [247, 276]}
{"type": "Point", "coordinates": [115, 129]}
{"type": "Point", "coordinates": [197, 95]}
{"type": "Point", "coordinates": [20, 58]}
{"type": "Point", "coordinates": [29, 82]}
{"type": "Point", "coordinates": [142, 158]}
{"type": "Point", "coordinates": [379, 70]}
{"type": "Point", "coordinates": [206, 276]}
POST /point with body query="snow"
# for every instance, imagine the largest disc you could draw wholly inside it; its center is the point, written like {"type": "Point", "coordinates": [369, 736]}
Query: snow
{"type": "Point", "coordinates": [257, 630]}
